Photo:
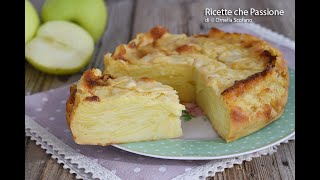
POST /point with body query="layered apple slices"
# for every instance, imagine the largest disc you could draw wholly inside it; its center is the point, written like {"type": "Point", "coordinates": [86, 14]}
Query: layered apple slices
{"type": "Point", "coordinates": [103, 110]}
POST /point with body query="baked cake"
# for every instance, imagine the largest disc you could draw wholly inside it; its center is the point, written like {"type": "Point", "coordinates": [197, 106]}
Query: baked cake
{"type": "Point", "coordinates": [103, 110]}
{"type": "Point", "coordinates": [239, 81]}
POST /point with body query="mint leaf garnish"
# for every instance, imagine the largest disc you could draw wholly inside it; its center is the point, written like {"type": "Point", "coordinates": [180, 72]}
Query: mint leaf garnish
{"type": "Point", "coordinates": [186, 116]}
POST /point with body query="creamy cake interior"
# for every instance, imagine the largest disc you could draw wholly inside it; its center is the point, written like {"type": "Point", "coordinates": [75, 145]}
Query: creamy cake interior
{"type": "Point", "coordinates": [104, 110]}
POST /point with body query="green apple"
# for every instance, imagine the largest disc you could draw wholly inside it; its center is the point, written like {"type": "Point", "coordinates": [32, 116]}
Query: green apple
{"type": "Point", "coordinates": [31, 22]}
{"type": "Point", "coordinates": [90, 14]}
{"type": "Point", "coordinates": [60, 47]}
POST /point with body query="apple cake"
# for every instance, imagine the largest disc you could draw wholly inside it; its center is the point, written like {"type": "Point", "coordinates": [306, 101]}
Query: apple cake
{"type": "Point", "coordinates": [103, 110]}
{"type": "Point", "coordinates": [239, 81]}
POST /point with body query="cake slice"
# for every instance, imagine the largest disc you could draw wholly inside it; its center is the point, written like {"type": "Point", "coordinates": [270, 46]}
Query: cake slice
{"type": "Point", "coordinates": [103, 110]}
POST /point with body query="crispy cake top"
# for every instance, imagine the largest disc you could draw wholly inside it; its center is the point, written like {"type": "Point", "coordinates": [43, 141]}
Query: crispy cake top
{"type": "Point", "coordinates": [225, 59]}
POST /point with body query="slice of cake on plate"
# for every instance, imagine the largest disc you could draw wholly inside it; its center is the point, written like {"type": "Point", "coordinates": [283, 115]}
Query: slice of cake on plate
{"type": "Point", "coordinates": [103, 110]}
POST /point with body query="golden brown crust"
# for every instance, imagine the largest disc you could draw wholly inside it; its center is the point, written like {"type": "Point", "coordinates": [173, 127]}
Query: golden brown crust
{"type": "Point", "coordinates": [201, 35]}
{"type": "Point", "coordinates": [132, 45]}
{"type": "Point", "coordinates": [238, 115]}
{"type": "Point", "coordinates": [240, 87]}
{"type": "Point", "coordinates": [267, 111]}
{"type": "Point", "coordinates": [91, 80]}
{"type": "Point", "coordinates": [121, 51]}
{"type": "Point", "coordinates": [70, 103]}
{"type": "Point", "coordinates": [92, 99]}
{"type": "Point", "coordinates": [215, 32]}
{"type": "Point", "coordinates": [146, 79]}
{"type": "Point", "coordinates": [185, 48]}
{"type": "Point", "coordinates": [157, 32]}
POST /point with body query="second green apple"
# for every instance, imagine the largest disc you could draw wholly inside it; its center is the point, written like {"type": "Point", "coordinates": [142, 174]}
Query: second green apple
{"type": "Point", "coordinates": [31, 21]}
{"type": "Point", "coordinates": [90, 14]}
